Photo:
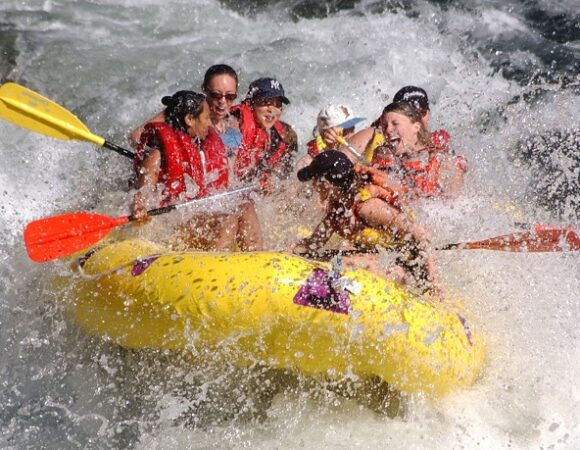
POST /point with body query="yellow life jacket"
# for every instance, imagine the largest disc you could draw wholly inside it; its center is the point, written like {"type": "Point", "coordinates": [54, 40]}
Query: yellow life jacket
{"type": "Point", "coordinates": [370, 238]}
{"type": "Point", "coordinates": [376, 141]}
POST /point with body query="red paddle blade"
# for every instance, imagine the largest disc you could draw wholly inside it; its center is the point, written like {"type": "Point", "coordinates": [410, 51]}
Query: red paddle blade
{"type": "Point", "coordinates": [542, 239]}
{"type": "Point", "coordinates": [54, 237]}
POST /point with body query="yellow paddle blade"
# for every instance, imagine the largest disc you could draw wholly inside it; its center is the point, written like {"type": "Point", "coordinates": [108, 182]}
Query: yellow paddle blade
{"type": "Point", "coordinates": [32, 111]}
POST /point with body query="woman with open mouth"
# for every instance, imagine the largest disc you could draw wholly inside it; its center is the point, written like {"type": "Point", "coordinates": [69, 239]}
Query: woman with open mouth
{"type": "Point", "coordinates": [268, 144]}
{"type": "Point", "coordinates": [220, 87]}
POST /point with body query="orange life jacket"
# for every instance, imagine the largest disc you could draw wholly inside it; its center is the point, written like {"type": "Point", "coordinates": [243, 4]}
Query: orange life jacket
{"type": "Point", "coordinates": [180, 156]}
{"type": "Point", "coordinates": [423, 178]}
{"type": "Point", "coordinates": [380, 187]}
{"type": "Point", "coordinates": [420, 177]}
{"type": "Point", "coordinates": [440, 139]}
{"type": "Point", "coordinates": [257, 154]}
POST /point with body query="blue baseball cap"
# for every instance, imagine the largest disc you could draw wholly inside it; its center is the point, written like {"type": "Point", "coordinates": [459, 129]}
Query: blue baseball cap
{"type": "Point", "coordinates": [266, 88]}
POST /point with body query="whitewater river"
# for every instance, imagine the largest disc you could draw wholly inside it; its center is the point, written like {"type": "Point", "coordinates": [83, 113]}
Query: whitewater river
{"type": "Point", "coordinates": [503, 78]}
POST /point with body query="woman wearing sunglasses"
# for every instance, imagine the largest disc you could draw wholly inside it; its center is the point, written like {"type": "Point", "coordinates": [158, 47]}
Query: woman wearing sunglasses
{"type": "Point", "coordinates": [220, 86]}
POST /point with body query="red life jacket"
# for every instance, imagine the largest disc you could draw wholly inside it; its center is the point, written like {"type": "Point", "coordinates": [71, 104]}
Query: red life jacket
{"type": "Point", "coordinates": [440, 139]}
{"type": "Point", "coordinates": [214, 153]}
{"type": "Point", "coordinates": [256, 154]}
{"type": "Point", "coordinates": [180, 156]}
{"type": "Point", "coordinates": [316, 146]}
{"type": "Point", "coordinates": [312, 148]}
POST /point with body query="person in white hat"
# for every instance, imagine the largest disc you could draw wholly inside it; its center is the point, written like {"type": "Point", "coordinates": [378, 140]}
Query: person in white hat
{"type": "Point", "coordinates": [336, 116]}
{"type": "Point", "coordinates": [332, 121]}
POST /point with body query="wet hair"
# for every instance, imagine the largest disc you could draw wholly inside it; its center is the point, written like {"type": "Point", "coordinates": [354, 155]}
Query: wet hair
{"type": "Point", "coordinates": [218, 69]}
{"type": "Point", "coordinates": [414, 114]}
{"type": "Point", "coordinates": [179, 105]}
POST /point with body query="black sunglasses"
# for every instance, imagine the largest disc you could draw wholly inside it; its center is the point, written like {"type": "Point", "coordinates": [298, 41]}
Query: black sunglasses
{"type": "Point", "coordinates": [219, 96]}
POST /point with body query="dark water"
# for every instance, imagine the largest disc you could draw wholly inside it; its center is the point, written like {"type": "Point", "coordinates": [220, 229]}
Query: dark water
{"type": "Point", "coordinates": [550, 34]}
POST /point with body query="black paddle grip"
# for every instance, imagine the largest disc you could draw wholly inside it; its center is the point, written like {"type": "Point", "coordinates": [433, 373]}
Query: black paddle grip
{"type": "Point", "coordinates": [119, 150]}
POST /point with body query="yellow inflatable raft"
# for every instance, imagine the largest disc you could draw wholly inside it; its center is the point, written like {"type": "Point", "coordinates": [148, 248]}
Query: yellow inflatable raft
{"type": "Point", "coordinates": [277, 309]}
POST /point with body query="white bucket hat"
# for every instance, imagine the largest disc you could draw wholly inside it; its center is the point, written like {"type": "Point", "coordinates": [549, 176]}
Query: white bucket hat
{"type": "Point", "coordinates": [339, 116]}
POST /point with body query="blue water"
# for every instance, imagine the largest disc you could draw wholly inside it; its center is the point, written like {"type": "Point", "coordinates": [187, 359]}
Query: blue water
{"type": "Point", "coordinates": [503, 78]}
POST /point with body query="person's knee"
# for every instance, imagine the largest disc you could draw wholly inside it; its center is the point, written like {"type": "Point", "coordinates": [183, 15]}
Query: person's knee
{"type": "Point", "coordinates": [371, 204]}
{"type": "Point", "coordinates": [376, 212]}
{"type": "Point", "coordinates": [247, 212]}
{"type": "Point", "coordinates": [247, 208]}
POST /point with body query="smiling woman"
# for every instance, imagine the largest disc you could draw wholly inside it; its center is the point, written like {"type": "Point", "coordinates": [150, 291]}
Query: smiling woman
{"type": "Point", "coordinates": [268, 144]}
{"type": "Point", "coordinates": [403, 127]}
{"type": "Point", "coordinates": [172, 149]}
{"type": "Point", "coordinates": [220, 86]}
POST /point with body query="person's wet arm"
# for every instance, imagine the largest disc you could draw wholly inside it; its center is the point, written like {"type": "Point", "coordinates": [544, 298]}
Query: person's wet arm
{"type": "Point", "coordinates": [361, 139]}
{"type": "Point", "coordinates": [319, 237]}
{"type": "Point", "coordinates": [330, 137]}
{"type": "Point", "coordinates": [146, 182]}
{"type": "Point", "coordinates": [285, 166]}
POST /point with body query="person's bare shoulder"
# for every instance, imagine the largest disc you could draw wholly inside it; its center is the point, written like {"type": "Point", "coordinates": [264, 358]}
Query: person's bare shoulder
{"type": "Point", "coordinates": [135, 135]}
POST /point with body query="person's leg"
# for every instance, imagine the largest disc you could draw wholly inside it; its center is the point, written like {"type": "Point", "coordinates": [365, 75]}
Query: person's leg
{"type": "Point", "coordinates": [199, 232]}
{"type": "Point", "coordinates": [249, 232]}
{"type": "Point", "coordinates": [419, 266]}
{"type": "Point", "coordinates": [226, 236]}
{"type": "Point", "coordinates": [372, 263]}
{"type": "Point", "coordinates": [417, 260]}
{"type": "Point", "coordinates": [365, 261]}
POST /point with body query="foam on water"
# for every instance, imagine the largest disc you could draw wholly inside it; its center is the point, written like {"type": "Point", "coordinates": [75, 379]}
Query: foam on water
{"type": "Point", "coordinates": [110, 62]}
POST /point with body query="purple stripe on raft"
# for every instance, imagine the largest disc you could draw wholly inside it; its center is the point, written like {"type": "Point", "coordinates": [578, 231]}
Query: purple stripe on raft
{"type": "Point", "coordinates": [318, 292]}
{"type": "Point", "coordinates": [142, 264]}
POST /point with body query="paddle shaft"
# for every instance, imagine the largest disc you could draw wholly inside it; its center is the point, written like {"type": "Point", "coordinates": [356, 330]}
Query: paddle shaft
{"type": "Point", "coordinates": [543, 239]}
{"type": "Point", "coordinates": [166, 209]}
{"type": "Point", "coordinates": [353, 150]}
{"type": "Point", "coordinates": [120, 150]}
